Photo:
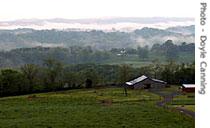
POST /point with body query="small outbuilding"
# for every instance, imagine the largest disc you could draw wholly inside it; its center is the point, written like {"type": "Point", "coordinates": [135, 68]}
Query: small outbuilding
{"type": "Point", "coordinates": [145, 83]}
{"type": "Point", "coordinates": [188, 87]}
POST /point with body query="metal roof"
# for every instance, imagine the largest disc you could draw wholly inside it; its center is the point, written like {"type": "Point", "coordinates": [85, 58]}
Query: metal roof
{"type": "Point", "coordinates": [189, 85]}
{"type": "Point", "coordinates": [139, 79]}
{"type": "Point", "coordinates": [156, 80]}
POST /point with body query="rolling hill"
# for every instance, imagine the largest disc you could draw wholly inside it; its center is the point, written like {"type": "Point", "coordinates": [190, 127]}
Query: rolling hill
{"type": "Point", "coordinates": [20, 38]}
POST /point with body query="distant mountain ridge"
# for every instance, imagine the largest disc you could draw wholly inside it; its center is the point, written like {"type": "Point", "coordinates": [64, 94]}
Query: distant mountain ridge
{"type": "Point", "coordinates": [183, 29]}
{"type": "Point", "coordinates": [150, 32]}
{"type": "Point", "coordinates": [109, 24]}
{"type": "Point", "coordinates": [18, 38]}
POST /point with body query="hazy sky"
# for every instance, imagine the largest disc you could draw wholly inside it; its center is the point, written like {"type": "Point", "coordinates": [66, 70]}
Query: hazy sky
{"type": "Point", "coordinates": [77, 9]}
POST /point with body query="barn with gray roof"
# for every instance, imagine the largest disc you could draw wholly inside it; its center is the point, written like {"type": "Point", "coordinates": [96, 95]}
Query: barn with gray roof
{"type": "Point", "coordinates": [145, 83]}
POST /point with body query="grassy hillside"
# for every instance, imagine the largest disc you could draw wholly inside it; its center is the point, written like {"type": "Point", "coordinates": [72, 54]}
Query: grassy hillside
{"type": "Point", "coordinates": [92, 108]}
{"type": "Point", "coordinates": [186, 101]}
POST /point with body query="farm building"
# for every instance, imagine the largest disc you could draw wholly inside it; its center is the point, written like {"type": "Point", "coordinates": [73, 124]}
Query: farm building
{"type": "Point", "coordinates": [145, 83]}
{"type": "Point", "coordinates": [188, 87]}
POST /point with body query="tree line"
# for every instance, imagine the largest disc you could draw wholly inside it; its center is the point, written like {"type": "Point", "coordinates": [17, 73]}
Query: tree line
{"type": "Point", "coordinates": [87, 54]}
{"type": "Point", "coordinates": [54, 75]}
{"type": "Point", "coordinates": [168, 49]}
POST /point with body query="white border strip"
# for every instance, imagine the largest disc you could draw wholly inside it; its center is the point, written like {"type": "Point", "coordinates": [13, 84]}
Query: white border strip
{"type": "Point", "coordinates": [202, 101]}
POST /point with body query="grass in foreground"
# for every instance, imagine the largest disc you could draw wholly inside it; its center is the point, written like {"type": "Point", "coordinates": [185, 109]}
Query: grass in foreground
{"type": "Point", "coordinates": [184, 99]}
{"type": "Point", "coordinates": [92, 108]}
{"type": "Point", "coordinates": [169, 90]}
{"type": "Point", "coordinates": [188, 107]}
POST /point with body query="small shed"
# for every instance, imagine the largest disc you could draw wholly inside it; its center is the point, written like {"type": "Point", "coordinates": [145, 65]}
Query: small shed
{"type": "Point", "coordinates": [145, 83]}
{"type": "Point", "coordinates": [188, 87]}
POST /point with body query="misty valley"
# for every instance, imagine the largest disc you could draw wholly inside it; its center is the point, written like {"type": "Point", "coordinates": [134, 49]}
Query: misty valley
{"type": "Point", "coordinates": [96, 78]}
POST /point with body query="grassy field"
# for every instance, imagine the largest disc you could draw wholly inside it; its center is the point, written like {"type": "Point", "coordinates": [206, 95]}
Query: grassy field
{"type": "Point", "coordinates": [188, 107]}
{"type": "Point", "coordinates": [89, 108]}
{"type": "Point", "coordinates": [186, 101]}
{"type": "Point", "coordinates": [169, 90]}
{"type": "Point", "coordinates": [135, 64]}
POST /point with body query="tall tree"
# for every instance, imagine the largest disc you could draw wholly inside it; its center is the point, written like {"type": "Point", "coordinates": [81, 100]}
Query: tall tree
{"type": "Point", "coordinates": [54, 70]}
{"type": "Point", "coordinates": [30, 71]}
{"type": "Point", "coordinates": [156, 67]}
{"type": "Point", "coordinates": [12, 82]}
{"type": "Point", "coordinates": [92, 77]}
{"type": "Point", "coordinates": [124, 76]}
{"type": "Point", "coordinates": [143, 52]}
{"type": "Point", "coordinates": [171, 50]}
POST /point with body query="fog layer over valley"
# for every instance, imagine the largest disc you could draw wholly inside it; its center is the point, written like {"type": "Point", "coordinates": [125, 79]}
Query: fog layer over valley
{"type": "Point", "coordinates": [98, 39]}
{"type": "Point", "coordinates": [105, 41]}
